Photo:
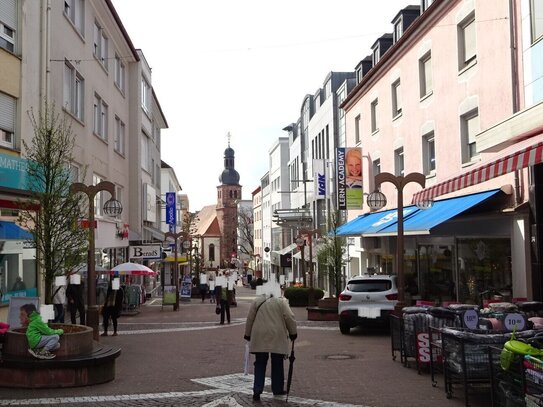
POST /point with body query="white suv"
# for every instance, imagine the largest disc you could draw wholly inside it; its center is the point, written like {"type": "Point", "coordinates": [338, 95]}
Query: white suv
{"type": "Point", "coordinates": [366, 298]}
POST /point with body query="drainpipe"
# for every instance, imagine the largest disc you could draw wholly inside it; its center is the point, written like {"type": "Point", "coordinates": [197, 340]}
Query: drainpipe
{"type": "Point", "coordinates": [519, 196]}
{"type": "Point", "coordinates": [45, 50]}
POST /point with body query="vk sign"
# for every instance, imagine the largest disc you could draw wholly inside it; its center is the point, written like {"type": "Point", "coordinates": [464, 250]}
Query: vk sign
{"type": "Point", "coordinates": [321, 185]}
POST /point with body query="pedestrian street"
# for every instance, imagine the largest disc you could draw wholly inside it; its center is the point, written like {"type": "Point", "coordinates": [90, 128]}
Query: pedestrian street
{"type": "Point", "coordinates": [186, 358]}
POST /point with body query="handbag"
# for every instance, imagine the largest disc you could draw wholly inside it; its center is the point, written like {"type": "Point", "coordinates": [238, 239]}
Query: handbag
{"type": "Point", "coordinates": [217, 310]}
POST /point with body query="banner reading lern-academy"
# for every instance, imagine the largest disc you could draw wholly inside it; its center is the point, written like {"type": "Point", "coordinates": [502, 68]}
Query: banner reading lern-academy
{"type": "Point", "coordinates": [349, 175]}
{"type": "Point", "coordinates": [340, 171]}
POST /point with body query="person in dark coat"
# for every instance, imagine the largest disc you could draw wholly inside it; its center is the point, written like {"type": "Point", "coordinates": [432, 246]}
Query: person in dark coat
{"type": "Point", "coordinates": [112, 308]}
{"type": "Point", "coordinates": [74, 295]}
{"type": "Point", "coordinates": [223, 296]}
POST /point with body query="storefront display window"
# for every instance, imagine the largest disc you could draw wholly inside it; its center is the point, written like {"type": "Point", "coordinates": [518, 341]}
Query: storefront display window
{"type": "Point", "coordinates": [436, 279]}
{"type": "Point", "coordinates": [17, 261]}
{"type": "Point", "coordinates": [484, 270]}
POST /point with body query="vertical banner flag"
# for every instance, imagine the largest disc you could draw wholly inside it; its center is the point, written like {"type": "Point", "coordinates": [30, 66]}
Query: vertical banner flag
{"type": "Point", "coordinates": [171, 211]}
{"type": "Point", "coordinates": [349, 170]}
{"type": "Point", "coordinates": [340, 172]}
{"type": "Point", "coordinates": [319, 179]}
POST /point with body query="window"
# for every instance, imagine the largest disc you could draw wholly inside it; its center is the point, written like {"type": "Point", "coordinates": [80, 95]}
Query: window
{"type": "Point", "coordinates": [7, 37]}
{"type": "Point", "coordinates": [119, 73]}
{"type": "Point", "coordinates": [375, 55]}
{"type": "Point", "coordinates": [425, 4]}
{"type": "Point", "coordinates": [119, 136]}
{"type": "Point", "coordinates": [467, 42]}
{"type": "Point", "coordinates": [425, 75]}
{"type": "Point", "coordinates": [100, 117]}
{"type": "Point", "coordinates": [211, 252]}
{"type": "Point", "coordinates": [536, 15]}
{"type": "Point", "coordinates": [398, 162]}
{"type": "Point", "coordinates": [145, 95]}
{"type": "Point", "coordinates": [73, 10]}
{"type": "Point", "coordinates": [99, 198]}
{"type": "Point", "coordinates": [396, 99]}
{"type": "Point", "coordinates": [398, 30]}
{"type": "Point", "coordinates": [74, 172]}
{"type": "Point", "coordinates": [469, 128]}
{"type": "Point", "coordinates": [8, 109]}
{"type": "Point", "coordinates": [428, 153]}
{"type": "Point", "coordinates": [119, 195]}
{"type": "Point", "coordinates": [8, 24]}
{"type": "Point", "coordinates": [374, 124]}
{"type": "Point", "coordinates": [73, 91]}
{"type": "Point", "coordinates": [145, 152]}
{"type": "Point", "coordinates": [100, 44]}
{"type": "Point", "coordinates": [357, 129]}
{"type": "Point", "coordinates": [376, 166]}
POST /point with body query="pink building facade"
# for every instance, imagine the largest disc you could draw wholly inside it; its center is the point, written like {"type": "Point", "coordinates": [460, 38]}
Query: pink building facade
{"type": "Point", "coordinates": [457, 90]}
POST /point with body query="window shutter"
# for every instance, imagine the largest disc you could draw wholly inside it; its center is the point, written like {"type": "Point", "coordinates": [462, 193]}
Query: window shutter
{"type": "Point", "coordinates": [472, 125]}
{"type": "Point", "coordinates": [469, 41]}
{"type": "Point", "coordinates": [8, 13]}
{"type": "Point", "coordinates": [8, 107]}
{"type": "Point", "coordinates": [428, 74]}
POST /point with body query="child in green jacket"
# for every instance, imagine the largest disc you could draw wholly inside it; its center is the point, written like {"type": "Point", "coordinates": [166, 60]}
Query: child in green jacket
{"type": "Point", "coordinates": [41, 339]}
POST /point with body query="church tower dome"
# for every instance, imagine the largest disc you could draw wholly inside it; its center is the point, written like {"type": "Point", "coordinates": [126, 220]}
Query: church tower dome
{"type": "Point", "coordinates": [229, 175]}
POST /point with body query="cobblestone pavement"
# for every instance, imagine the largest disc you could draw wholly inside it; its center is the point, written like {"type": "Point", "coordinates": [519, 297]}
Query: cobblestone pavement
{"type": "Point", "coordinates": [186, 358]}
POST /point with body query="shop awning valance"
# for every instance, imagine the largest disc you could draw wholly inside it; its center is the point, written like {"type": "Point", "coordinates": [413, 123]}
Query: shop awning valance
{"type": "Point", "coordinates": [416, 221]}
{"type": "Point", "coordinates": [521, 155]}
{"type": "Point", "coordinates": [11, 231]}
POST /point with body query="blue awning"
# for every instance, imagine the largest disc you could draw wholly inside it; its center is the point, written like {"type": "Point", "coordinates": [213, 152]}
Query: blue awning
{"type": "Point", "coordinates": [416, 221]}
{"type": "Point", "coordinates": [10, 231]}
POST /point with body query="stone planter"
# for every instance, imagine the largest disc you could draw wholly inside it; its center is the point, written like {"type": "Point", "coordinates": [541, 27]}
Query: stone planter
{"type": "Point", "coordinates": [79, 361]}
{"type": "Point", "coordinates": [76, 341]}
{"type": "Point", "coordinates": [328, 303]}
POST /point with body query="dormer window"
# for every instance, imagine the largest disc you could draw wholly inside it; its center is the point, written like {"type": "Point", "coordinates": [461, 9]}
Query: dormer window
{"type": "Point", "coordinates": [398, 30]}
{"type": "Point", "coordinates": [375, 56]}
{"type": "Point", "coordinates": [425, 4]}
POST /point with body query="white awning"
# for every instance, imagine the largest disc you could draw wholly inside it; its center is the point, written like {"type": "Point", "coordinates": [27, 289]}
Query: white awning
{"type": "Point", "coordinates": [286, 249]}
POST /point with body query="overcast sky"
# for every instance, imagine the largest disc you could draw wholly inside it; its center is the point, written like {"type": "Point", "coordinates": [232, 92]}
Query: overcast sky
{"type": "Point", "coordinates": [243, 66]}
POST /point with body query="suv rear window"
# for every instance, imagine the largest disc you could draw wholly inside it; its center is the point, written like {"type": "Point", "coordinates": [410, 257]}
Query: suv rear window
{"type": "Point", "coordinates": [369, 286]}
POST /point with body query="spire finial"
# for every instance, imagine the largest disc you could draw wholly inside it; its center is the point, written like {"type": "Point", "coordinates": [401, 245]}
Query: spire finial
{"type": "Point", "coordinates": [229, 137]}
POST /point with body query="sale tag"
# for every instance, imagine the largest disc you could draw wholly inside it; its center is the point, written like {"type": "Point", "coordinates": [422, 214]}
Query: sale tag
{"type": "Point", "coordinates": [514, 321]}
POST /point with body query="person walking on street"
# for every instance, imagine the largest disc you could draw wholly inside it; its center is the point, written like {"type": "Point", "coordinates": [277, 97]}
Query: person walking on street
{"type": "Point", "coordinates": [74, 294]}
{"type": "Point", "coordinates": [270, 324]}
{"type": "Point", "coordinates": [112, 308]}
{"type": "Point", "coordinates": [224, 299]}
{"type": "Point", "coordinates": [59, 299]}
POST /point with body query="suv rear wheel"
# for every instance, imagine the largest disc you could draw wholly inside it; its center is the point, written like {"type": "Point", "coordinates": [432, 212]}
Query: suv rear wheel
{"type": "Point", "coordinates": [344, 328]}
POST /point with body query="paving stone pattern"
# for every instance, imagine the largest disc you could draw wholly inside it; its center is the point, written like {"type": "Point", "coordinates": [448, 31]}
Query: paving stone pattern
{"type": "Point", "coordinates": [186, 358]}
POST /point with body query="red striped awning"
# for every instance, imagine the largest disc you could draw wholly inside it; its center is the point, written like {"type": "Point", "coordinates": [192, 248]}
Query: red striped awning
{"type": "Point", "coordinates": [525, 153]}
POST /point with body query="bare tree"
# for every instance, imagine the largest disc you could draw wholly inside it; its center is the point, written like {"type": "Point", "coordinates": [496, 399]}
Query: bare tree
{"type": "Point", "coordinates": [246, 244]}
{"type": "Point", "coordinates": [61, 244]}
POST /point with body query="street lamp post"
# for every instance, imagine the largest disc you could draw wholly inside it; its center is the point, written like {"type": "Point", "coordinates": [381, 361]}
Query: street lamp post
{"type": "Point", "coordinates": [399, 182]}
{"type": "Point", "coordinates": [112, 208]}
{"type": "Point", "coordinates": [175, 236]}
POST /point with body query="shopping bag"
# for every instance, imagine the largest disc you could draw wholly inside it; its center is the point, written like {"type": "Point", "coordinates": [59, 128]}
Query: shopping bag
{"type": "Point", "coordinates": [247, 359]}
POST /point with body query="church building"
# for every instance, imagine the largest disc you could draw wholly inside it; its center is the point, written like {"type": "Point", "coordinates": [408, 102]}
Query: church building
{"type": "Point", "coordinates": [217, 226]}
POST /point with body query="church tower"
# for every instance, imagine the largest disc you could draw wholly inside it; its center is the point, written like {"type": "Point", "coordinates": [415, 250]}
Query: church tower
{"type": "Point", "coordinates": [228, 195]}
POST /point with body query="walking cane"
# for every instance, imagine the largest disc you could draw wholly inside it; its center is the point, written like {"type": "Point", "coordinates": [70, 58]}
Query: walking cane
{"type": "Point", "coordinates": [291, 359]}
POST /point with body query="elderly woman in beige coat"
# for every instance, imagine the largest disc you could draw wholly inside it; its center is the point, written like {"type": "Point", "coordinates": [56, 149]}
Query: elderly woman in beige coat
{"type": "Point", "coordinates": [269, 326]}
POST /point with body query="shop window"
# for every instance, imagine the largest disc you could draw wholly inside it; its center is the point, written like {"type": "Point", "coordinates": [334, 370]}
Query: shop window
{"type": "Point", "coordinates": [18, 272]}
{"type": "Point", "coordinates": [484, 269]}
